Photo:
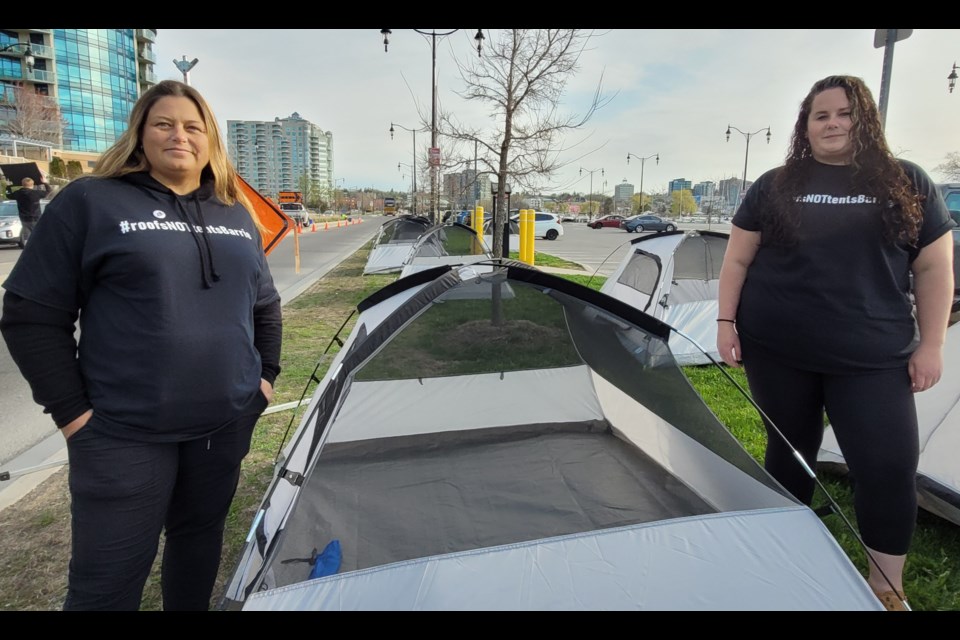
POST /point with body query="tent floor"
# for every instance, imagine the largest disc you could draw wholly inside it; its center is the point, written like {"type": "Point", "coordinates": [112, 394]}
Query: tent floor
{"type": "Point", "coordinates": [408, 497]}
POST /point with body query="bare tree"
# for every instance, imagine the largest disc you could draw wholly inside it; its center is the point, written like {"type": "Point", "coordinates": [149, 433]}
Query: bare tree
{"type": "Point", "coordinates": [951, 166]}
{"type": "Point", "coordinates": [522, 78]}
{"type": "Point", "coordinates": [31, 115]}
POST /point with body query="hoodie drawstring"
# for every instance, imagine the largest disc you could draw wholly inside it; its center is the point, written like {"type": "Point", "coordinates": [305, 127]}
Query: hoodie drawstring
{"type": "Point", "coordinates": [207, 260]}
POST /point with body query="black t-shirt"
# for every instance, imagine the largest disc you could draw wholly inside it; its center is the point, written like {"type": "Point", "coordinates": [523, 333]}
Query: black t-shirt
{"type": "Point", "coordinates": [839, 299]}
{"type": "Point", "coordinates": [166, 347]}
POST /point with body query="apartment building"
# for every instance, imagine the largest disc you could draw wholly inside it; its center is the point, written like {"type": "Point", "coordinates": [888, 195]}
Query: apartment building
{"type": "Point", "coordinates": [280, 155]}
{"type": "Point", "coordinates": [95, 76]}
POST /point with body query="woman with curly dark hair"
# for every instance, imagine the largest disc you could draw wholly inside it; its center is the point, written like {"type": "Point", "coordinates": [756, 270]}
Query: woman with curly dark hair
{"type": "Point", "coordinates": [816, 301]}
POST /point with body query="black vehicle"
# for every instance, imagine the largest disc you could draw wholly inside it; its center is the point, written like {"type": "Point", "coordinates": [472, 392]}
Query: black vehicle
{"type": "Point", "coordinates": [951, 195]}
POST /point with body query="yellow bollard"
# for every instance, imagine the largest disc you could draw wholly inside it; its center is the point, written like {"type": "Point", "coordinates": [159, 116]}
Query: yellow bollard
{"type": "Point", "coordinates": [526, 236]}
{"type": "Point", "coordinates": [476, 222]}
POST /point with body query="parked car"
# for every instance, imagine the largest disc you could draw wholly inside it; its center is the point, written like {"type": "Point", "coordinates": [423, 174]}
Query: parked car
{"type": "Point", "coordinates": [11, 228]}
{"type": "Point", "coordinates": [545, 225]}
{"type": "Point", "coordinates": [647, 222]}
{"type": "Point", "coordinates": [951, 195]}
{"type": "Point", "coordinates": [612, 220]}
{"type": "Point", "coordinates": [297, 212]}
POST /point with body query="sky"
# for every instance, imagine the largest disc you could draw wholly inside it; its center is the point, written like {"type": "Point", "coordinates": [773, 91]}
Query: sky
{"type": "Point", "coordinates": [670, 93]}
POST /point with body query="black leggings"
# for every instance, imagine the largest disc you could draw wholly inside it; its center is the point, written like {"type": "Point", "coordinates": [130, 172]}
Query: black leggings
{"type": "Point", "coordinates": [875, 421]}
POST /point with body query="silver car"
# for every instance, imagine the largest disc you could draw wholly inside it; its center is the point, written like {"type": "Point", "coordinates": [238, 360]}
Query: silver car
{"type": "Point", "coordinates": [10, 226]}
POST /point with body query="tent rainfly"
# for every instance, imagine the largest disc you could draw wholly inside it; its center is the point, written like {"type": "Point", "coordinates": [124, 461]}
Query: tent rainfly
{"type": "Point", "coordinates": [541, 451]}
{"type": "Point", "coordinates": [674, 277]}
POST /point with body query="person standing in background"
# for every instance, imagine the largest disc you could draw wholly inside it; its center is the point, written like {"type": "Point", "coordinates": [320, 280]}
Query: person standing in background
{"type": "Point", "coordinates": [816, 300]}
{"type": "Point", "coordinates": [28, 199]}
{"type": "Point", "coordinates": [159, 257]}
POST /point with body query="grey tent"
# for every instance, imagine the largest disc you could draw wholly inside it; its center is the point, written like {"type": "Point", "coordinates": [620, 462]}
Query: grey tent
{"type": "Point", "coordinates": [938, 418]}
{"type": "Point", "coordinates": [674, 276]}
{"type": "Point", "coordinates": [393, 242]}
{"type": "Point", "coordinates": [538, 452]}
{"type": "Point", "coordinates": [445, 244]}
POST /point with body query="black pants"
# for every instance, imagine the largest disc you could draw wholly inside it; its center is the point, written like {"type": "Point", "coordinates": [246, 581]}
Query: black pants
{"type": "Point", "coordinates": [124, 493]}
{"type": "Point", "coordinates": [875, 421]}
{"type": "Point", "coordinates": [26, 228]}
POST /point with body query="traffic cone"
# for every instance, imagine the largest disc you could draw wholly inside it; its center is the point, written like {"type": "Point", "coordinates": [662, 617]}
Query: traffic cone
{"type": "Point", "coordinates": [314, 229]}
{"type": "Point", "coordinates": [326, 225]}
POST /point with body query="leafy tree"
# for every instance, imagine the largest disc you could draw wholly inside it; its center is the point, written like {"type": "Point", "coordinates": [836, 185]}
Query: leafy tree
{"type": "Point", "coordinates": [522, 78]}
{"type": "Point", "coordinates": [682, 202]}
{"type": "Point", "coordinates": [57, 168]}
{"type": "Point", "coordinates": [74, 169]}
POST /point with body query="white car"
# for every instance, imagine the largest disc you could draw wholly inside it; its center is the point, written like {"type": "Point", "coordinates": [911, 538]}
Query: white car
{"type": "Point", "coordinates": [545, 225]}
{"type": "Point", "coordinates": [10, 225]}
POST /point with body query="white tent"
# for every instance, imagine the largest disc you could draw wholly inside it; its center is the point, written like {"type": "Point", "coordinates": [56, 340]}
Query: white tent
{"type": "Point", "coordinates": [445, 244]}
{"type": "Point", "coordinates": [537, 452]}
{"type": "Point", "coordinates": [393, 242]}
{"type": "Point", "coordinates": [674, 277]}
{"type": "Point", "coordinates": [938, 417]}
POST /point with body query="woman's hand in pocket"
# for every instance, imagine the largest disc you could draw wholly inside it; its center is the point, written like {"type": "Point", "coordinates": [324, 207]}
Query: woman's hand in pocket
{"type": "Point", "coordinates": [267, 390]}
{"type": "Point", "coordinates": [76, 424]}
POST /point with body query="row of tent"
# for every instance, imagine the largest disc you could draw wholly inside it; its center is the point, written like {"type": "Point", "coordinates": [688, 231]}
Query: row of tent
{"type": "Point", "coordinates": [493, 437]}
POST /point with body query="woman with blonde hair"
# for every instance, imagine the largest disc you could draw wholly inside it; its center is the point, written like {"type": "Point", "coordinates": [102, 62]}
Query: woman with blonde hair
{"type": "Point", "coordinates": [158, 256]}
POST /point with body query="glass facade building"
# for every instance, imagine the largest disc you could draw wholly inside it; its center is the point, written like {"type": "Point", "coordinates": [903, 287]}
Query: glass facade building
{"type": "Point", "coordinates": [95, 75]}
{"type": "Point", "coordinates": [97, 85]}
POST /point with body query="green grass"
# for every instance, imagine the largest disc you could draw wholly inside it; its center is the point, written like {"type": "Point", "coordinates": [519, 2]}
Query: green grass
{"type": "Point", "coordinates": [932, 576]}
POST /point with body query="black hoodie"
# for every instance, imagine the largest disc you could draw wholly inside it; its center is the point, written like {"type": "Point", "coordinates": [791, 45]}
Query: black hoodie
{"type": "Point", "coordinates": [171, 291]}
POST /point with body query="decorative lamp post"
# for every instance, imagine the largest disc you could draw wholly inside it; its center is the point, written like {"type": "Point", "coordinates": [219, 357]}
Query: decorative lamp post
{"type": "Point", "coordinates": [591, 172]}
{"type": "Point", "coordinates": [746, 155]}
{"type": "Point", "coordinates": [413, 168]}
{"type": "Point", "coordinates": [28, 58]}
{"type": "Point", "coordinates": [434, 150]}
{"type": "Point", "coordinates": [642, 162]}
{"type": "Point", "coordinates": [185, 67]}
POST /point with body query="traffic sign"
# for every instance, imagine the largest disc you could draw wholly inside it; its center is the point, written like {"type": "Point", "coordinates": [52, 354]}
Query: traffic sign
{"type": "Point", "coordinates": [880, 36]}
{"type": "Point", "coordinates": [434, 156]}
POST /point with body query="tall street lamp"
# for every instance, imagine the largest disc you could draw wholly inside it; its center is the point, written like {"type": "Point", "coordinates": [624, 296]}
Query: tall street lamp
{"type": "Point", "coordinates": [184, 66]}
{"type": "Point", "coordinates": [413, 172]}
{"type": "Point", "coordinates": [952, 78]}
{"type": "Point", "coordinates": [643, 161]}
{"type": "Point", "coordinates": [413, 167]}
{"type": "Point", "coordinates": [434, 150]}
{"type": "Point", "coordinates": [591, 172]}
{"type": "Point", "coordinates": [743, 186]}
{"type": "Point", "coordinates": [28, 58]}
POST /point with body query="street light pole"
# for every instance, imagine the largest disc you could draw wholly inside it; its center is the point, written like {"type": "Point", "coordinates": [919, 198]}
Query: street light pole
{"type": "Point", "coordinates": [27, 53]}
{"type": "Point", "coordinates": [591, 172]}
{"type": "Point", "coordinates": [746, 155]}
{"type": "Point", "coordinates": [413, 168]}
{"type": "Point", "coordinates": [185, 67]}
{"type": "Point", "coordinates": [642, 162]}
{"type": "Point", "coordinates": [433, 159]}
